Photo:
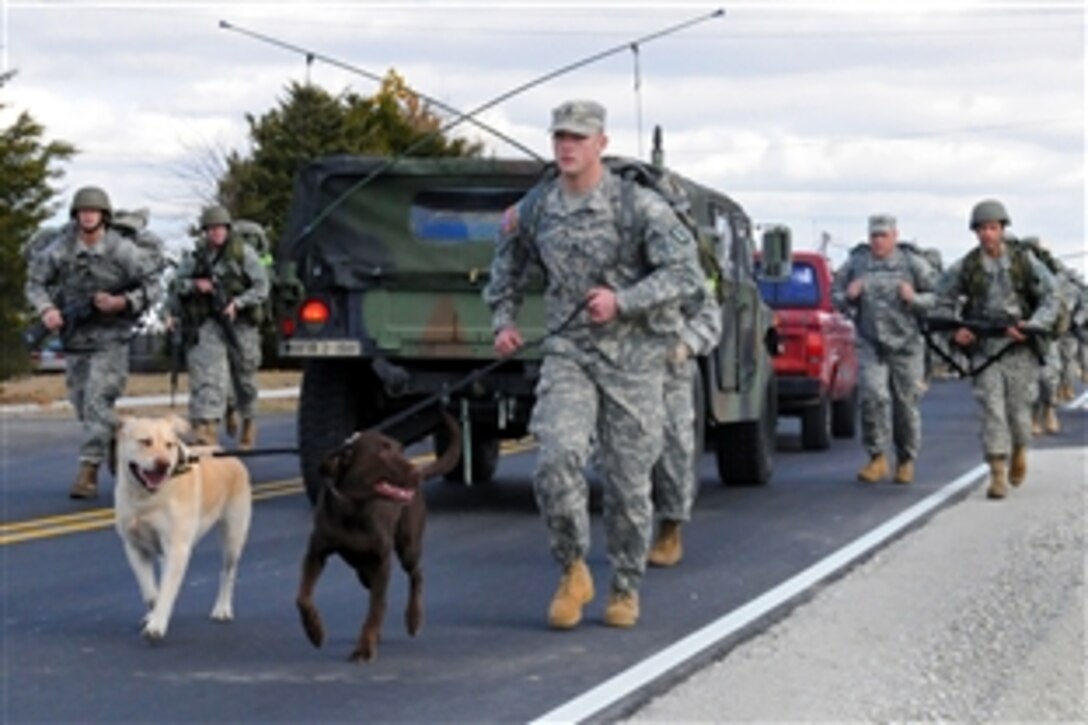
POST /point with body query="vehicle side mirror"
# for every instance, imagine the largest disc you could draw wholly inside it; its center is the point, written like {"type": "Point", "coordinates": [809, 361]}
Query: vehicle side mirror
{"type": "Point", "coordinates": [776, 262]}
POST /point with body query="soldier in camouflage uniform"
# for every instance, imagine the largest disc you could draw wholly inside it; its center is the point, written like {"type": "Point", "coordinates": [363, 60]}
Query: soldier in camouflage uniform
{"type": "Point", "coordinates": [602, 375]}
{"type": "Point", "coordinates": [224, 268]}
{"type": "Point", "coordinates": [1067, 343]}
{"type": "Point", "coordinates": [674, 481]}
{"type": "Point", "coordinates": [1045, 410]}
{"type": "Point", "coordinates": [90, 262]}
{"type": "Point", "coordinates": [884, 286]}
{"type": "Point", "coordinates": [1002, 281]}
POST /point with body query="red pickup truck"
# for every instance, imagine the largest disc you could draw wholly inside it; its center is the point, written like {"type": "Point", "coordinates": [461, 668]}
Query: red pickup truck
{"type": "Point", "coordinates": [817, 364]}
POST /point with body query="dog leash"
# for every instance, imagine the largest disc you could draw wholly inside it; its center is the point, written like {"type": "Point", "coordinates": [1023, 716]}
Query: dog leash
{"type": "Point", "coordinates": [426, 402]}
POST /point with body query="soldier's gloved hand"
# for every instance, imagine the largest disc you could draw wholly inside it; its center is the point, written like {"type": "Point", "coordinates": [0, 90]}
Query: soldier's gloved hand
{"type": "Point", "coordinates": [680, 353]}
{"type": "Point", "coordinates": [854, 289]}
{"type": "Point", "coordinates": [507, 341]}
{"type": "Point", "coordinates": [52, 319]}
{"type": "Point", "coordinates": [1014, 332]}
{"type": "Point", "coordinates": [204, 285]}
{"type": "Point", "coordinates": [906, 292]}
{"type": "Point", "coordinates": [110, 304]}
{"type": "Point", "coordinates": [602, 305]}
{"type": "Point", "coordinates": [168, 323]}
{"type": "Point", "coordinates": [231, 310]}
{"type": "Point", "coordinates": [964, 337]}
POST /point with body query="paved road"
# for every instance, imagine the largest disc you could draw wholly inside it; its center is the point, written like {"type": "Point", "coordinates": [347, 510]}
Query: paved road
{"type": "Point", "coordinates": [70, 605]}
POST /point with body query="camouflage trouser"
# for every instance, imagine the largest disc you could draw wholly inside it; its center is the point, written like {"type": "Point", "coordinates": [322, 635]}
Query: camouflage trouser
{"type": "Point", "coordinates": [674, 483]}
{"type": "Point", "coordinates": [1049, 375]}
{"type": "Point", "coordinates": [624, 410]}
{"type": "Point", "coordinates": [95, 382]}
{"type": "Point", "coordinates": [891, 381]}
{"type": "Point", "coordinates": [242, 394]}
{"type": "Point", "coordinates": [209, 373]}
{"type": "Point", "coordinates": [1007, 391]}
{"type": "Point", "coordinates": [1067, 346]}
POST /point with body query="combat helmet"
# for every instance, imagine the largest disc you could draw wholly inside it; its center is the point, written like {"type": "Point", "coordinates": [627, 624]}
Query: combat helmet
{"type": "Point", "coordinates": [91, 197]}
{"type": "Point", "coordinates": [989, 210]}
{"type": "Point", "coordinates": [215, 215]}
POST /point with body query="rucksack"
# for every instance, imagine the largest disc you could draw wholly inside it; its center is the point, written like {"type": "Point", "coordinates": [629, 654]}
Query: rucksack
{"type": "Point", "coordinates": [631, 173]}
{"type": "Point", "coordinates": [973, 276]}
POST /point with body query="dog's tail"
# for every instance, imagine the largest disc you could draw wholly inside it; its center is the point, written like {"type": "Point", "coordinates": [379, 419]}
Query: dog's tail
{"type": "Point", "coordinates": [449, 458]}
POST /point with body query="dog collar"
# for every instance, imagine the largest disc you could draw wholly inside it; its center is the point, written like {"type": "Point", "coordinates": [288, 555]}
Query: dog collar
{"type": "Point", "coordinates": [396, 493]}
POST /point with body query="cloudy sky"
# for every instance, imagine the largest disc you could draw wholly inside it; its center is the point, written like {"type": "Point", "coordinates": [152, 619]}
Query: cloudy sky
{"type": "Point", "coordinates": [814, 114]}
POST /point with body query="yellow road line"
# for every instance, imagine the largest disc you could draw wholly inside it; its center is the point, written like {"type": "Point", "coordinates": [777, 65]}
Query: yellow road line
{"type": "Point", "coordinates": [102, 518]}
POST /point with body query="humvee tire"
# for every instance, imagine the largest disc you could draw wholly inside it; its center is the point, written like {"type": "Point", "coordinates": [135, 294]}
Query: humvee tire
{"type": "Point", "coordinates": [816, 425]}
{"type": "Point", "coordinates": [328, 413]}
{"type": "Point", "coordinates": [745, 451]}
{"type": "Point", "coordinates": [485, 455]}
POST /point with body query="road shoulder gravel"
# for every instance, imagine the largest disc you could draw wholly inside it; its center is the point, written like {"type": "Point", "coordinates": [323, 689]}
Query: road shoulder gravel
{"type": "Point", "coordinates": [977, 616]}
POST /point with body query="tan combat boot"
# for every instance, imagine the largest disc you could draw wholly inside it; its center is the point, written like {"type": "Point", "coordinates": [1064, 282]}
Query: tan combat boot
{"type": "Point", "coordinates": [904, 471]}
{"type": "Point", "coordinates": [997, 487]}
{"type": "Point", "coordinates": [874, 470]}
{"type": "Point", "coordinates": [574, 592]}
{"type": "Point", "coordinates": [668, 549]}
{"type": "Point", "coordinates": [249, 434]}
{"type": "Point", "coordinates": [1018, 471]}
{"type": "Point", "coordinates": [1053, 425]}
{"type": "Point", "coordinates": [86, 484]}
{"type": "Point", "coordinates": [1065, 394]}
{"type": "Point", "coordinates": [622, 609]}
{"type": "Point", "coordinates": [205, 433]}
{"type": "Point", "coordinates": [1037, 423]}
{"type": "Point", "coordinates": [230, 422]}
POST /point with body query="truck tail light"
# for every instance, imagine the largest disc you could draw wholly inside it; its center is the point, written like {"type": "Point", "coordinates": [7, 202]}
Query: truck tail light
{"type": "Point", "coordinates": [314, 313]}
{"type": "Point", "coordinates": [814, 352]}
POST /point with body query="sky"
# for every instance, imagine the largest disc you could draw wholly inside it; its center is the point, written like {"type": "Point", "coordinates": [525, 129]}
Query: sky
{"type": "Point", "coordinates": [810, 114]}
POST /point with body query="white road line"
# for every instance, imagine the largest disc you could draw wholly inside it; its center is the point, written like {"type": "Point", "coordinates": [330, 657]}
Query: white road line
{"type": "Point", "coordinates": [1080, 402]}
{"type": "Point", "coordinates": [615, 689]}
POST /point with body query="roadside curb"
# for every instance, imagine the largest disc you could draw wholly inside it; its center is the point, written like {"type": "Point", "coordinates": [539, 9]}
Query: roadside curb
{"type": "Point", "coordinates": [143, 401]}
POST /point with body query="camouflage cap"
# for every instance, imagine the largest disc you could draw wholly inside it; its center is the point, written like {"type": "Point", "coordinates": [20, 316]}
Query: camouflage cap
{"type": "Point", "coordinates": [881, 223]}
{"type": "Point", "coordinates": [584, 118]}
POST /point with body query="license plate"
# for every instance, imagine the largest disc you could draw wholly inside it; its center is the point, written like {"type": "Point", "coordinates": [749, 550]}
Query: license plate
{"type": "Point", "coordinates": [321, 348]}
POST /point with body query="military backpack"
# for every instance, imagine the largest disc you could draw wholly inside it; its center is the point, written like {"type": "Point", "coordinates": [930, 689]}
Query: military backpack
{"type": "Point", "coordinates": [631, 173]}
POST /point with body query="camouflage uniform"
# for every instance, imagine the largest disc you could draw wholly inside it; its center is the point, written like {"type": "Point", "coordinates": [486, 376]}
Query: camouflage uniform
{"type": "Point", "coordinates": [1007, 389]}
{"type": "Point", "coordinates": [70, 271]}
{"type": "Point", "coordinates": [245, 280]}
{"type": "Point", "coordinates": [891, 350]}
{"type": "Point", "coordinates": [674, 482]}
{"type": "Point", "coordinates": [1067, 343]}
{"type": "Point", "coordinates": [605, 379]}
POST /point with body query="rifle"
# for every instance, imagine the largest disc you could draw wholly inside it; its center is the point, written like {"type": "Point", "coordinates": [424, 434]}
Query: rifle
{"type": "Point", "coordinates": [219, 304]}
{"type": "Point", "coordinates": [177, 349]}
{"type": "Point", "coordinates": [74, 314]}
{"type": "Point", "coordinates": [982, 329]}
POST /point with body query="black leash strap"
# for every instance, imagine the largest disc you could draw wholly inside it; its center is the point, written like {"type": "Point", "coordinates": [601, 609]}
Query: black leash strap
{"type": "Point", "coordinates": [430, 400]}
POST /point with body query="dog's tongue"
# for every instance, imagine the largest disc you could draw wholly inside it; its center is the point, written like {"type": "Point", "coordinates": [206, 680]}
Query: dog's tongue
{"type": "Point", "coordinates": [388, 490]}
{"type": "Point", "coordinates": [153, 477]}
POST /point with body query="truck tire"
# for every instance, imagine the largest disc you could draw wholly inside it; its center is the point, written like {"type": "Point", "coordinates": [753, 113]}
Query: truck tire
{"type": "Point", "coordinates": [485, 455]}
{"type": "Point", "coordinates": [327, 414]}
{"type": "Point", "coordinates": [745, 451]}
{"type": "Point", "coordinates": [816, 425]}
{"type": "Point", "coordinates": [844, 416]}
{"type": "Point", "coordinates": [698, 399]}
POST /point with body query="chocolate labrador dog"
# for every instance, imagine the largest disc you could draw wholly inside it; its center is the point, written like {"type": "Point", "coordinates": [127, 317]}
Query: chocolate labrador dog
{"type": "Point", "coordinates": [371, 506]}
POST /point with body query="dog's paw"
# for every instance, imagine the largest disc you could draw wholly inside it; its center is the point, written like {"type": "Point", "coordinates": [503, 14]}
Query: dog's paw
{"type": "Point", "coordinates": [222, 613]}
{"type": "Point", "coordinates": [413, 619]}
{"type": "Point", "coordinates": [311, 623]}
{"type": "Point", "coordinates": [363, 654]}
{"type": "Point", "coordinates": [153, 632]}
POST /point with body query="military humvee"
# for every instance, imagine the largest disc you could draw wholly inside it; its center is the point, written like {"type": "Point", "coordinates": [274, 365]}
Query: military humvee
{"type": "Point", "coordinates": [380, 295]}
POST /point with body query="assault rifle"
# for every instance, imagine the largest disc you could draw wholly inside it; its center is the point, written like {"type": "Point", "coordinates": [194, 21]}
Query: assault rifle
{"type": "Point", "coordinates": [74, 314]}
{"type": "Point", "coordinates": [982, 329]}
{"type": "Point", "coordinates": [219, 304]}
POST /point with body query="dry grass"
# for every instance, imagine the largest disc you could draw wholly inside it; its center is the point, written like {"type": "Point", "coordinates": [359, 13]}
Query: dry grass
{"type": "Point", "coordinates": [46, 388]}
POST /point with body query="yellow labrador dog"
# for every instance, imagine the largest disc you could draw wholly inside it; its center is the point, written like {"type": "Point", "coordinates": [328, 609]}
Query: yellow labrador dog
{"type": "Point", "coordinates": [165, 500]}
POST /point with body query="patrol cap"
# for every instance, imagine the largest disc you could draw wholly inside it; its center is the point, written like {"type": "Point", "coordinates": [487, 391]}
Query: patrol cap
{"type": "Point", "coordinates": [881, 224]}
{"type": "Point", "coordinates": [584, 118]}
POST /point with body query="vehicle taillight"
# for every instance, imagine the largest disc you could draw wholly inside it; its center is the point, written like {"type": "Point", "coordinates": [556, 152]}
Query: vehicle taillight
{"type": "Point", "coordinates": [314, 313]}
{"type": "Point", "coordinates": [814, 352]}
